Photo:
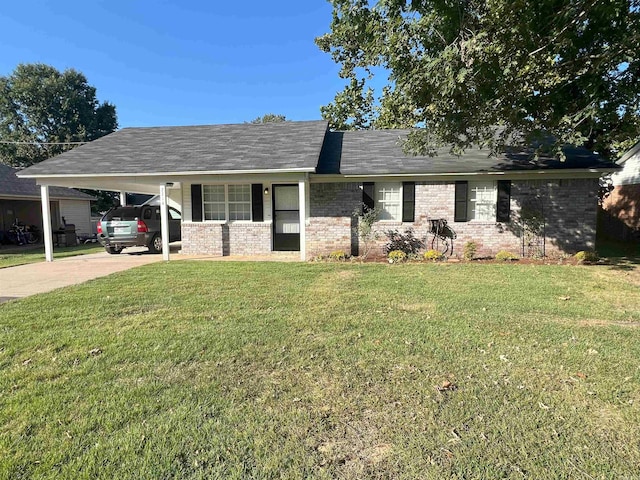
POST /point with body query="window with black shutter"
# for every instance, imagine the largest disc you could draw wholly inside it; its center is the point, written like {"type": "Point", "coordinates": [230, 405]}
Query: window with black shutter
{"type": "Point", "coordinates": [408, 201]}
{"type": "Point", "coordinates": [460, 207]}
{"type": "Point", "coordinates": [503, 208]}
{"type": "Point", "coordinates": [196, 203]}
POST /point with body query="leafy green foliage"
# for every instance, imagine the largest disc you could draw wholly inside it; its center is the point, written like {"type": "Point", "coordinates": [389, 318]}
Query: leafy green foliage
{"type": "Point", "coordinates": [569, 69]}
{"type": "Point", "coordinates": [396, 256]}
{"type": "Point", "coordinates": [42, 108]}
{"type": "Point", "coordinates": [364, 230]}
{"type": "Point", "coordinates": [269, 118]}
{"type": "Point", "coordinates": [338, 256]}
{"type": "Point", "coordinates": [586, 256]}
{"type": "Point", "coordinates": [505, 256]}
{"type": "Point", "coordinates": [469, 250]}
{"type": "Point", "coordinates": [405, 242]}
{"type": "Point", "coordinates": [433, 256]}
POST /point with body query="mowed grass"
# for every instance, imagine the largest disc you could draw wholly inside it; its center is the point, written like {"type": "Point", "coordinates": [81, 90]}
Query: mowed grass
{"type": "Point", "coordinates": [267, 370]}
{"type": "Point", "coordinates": [17, 256]}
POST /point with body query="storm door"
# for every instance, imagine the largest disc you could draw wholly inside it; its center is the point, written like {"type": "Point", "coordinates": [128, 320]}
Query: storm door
{"type": "Point", "coordinates": [286, 218]}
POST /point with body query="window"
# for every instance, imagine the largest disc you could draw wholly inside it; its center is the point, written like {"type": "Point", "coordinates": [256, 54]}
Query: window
{"type": "Point", "coordinates": [389, 200]}
{"type": "Point", "coordinates": [239, 202]}
{"type": "Point", "coordinates": [213, 202]}
{"type": "Point", "coordinates": [222, 202]}
{"type": "Point", "coordinates": [482, 201]}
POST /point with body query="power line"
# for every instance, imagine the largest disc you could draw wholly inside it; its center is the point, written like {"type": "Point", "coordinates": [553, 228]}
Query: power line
{"type": "Point", "coordinates": [42, 143]}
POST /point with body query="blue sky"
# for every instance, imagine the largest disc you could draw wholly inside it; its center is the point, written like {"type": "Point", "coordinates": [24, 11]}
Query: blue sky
{"type": "Point", "coordinates": [172, 62]}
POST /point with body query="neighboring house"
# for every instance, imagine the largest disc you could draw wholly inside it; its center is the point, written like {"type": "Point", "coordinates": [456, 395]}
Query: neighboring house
{"type": "Point", "coordinates": [254, 189]}
{"type": "Point", "coordinates": [20, 199]}
{"type": "Point", "coordinates": [621, 209]}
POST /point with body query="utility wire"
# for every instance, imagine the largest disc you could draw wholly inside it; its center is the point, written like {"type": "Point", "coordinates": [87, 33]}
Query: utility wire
{"type": "Point", "coordinates": [42, 143]}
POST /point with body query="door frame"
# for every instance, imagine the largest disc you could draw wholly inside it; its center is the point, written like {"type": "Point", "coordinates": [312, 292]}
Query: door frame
{"type": "Point", "coordinates": [275, 246]}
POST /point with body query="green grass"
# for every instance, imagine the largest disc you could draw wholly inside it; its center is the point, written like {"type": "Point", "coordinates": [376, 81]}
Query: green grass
{"type": "Point", "coordinates": [21, 256]}
{"type": "Point", "coordinates": [267, 370]}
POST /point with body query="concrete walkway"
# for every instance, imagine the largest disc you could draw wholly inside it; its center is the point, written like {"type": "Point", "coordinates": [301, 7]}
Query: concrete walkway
{"type": "Point", "coordinates": [25, 280]}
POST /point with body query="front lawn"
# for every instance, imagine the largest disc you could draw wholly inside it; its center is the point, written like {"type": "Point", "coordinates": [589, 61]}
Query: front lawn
{"type": "Point", "coordinates": [274, 370]}
{"type": "Point", "coordinates": [32, 254]}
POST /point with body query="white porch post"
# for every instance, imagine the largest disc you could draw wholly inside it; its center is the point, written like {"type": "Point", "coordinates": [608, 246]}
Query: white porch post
{"type": "Point", "coordinates": [46, 223]}
{"type": "Point", "coordinates": [302, 187]}
{"type": "Point", "coordinates": [123, 198]}
{"type": "Point", "coordinates": [164, 222]}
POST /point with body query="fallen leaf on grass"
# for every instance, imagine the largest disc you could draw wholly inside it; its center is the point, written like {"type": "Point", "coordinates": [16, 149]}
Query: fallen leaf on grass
{"type": "Point", "coordinates": [26, 362]}
{"type": "Point", "coordinates": [446, 386]}
{"type": "Point", "coordinates": [564, 298]}
{"type": "Point", "coordinates": [95, 351]}
{"type": "Point", "coordinates": [581, 375]}
{"type": "Point", "coordinates": [543, 406]}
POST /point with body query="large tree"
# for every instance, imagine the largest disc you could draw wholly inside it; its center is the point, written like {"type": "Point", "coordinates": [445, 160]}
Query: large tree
{"type": "Point", "coordinates": [44, 112]}
{"type": "Point", "coordinates": [490, 71]}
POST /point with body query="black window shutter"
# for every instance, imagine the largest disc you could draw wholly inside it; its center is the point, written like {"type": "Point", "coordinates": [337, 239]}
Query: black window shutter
{"type": "Point", "coordinates": [368, 196]}
{"type": "Point", "coordinates": [408, 201]}
{"type": "Point", "coordinates": [460, 213]}
{"type": "Point", "coordinates": [196, 203]}
{"type": "Point", "coordinates": [257, 209]}
{"type": "Point", "coordinates": [503, 210]}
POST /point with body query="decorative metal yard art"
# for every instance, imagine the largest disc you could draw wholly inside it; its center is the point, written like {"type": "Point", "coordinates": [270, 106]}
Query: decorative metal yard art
{"type": "Point", "coordinates": [533, 227]}
{"type": "Point", "coordinates": [443, 236]}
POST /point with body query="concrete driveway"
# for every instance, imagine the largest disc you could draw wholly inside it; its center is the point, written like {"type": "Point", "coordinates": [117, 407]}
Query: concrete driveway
{"type": "Point", "coordinates": [25, 280]}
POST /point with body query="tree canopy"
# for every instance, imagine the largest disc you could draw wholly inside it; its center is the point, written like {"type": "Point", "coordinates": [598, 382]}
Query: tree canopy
{"type": "Point", "coordinates": [269, 118]}
{"type": "Point", "coordinates": [487, 72]}
{"type": "Point", "coordinates": [44, 112]}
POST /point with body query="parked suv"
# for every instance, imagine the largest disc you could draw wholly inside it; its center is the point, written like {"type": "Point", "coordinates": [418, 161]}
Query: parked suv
{"type": "Point", "coordinates": [133, 226]}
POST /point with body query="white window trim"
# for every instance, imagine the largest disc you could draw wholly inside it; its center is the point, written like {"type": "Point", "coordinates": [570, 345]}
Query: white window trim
{"type": "Point", "coordinates": [378, 202]}
{"type": "Point", "coordinates": [471, 204]}
{"type": "Point", "coordinates": [226, 204]}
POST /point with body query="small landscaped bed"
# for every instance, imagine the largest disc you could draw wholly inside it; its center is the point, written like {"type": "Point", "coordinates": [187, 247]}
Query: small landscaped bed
{"type": "Point", "coordinates": [325, 370]}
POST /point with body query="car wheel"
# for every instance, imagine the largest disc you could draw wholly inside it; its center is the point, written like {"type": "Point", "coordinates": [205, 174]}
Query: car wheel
{"type": "Point", "coordinates": [155, 246]}
{"type": "Point", "coordinates": [113, 250]}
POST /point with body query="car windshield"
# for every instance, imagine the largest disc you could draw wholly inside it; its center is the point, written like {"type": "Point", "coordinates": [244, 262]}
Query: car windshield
{"type": "Point", "coordinates": [123, 213]}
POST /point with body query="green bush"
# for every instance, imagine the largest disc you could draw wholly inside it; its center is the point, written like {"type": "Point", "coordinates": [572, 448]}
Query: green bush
{"type": "Point", "coordinates": [338, 256]}
{"type": "Point", "coordinates": [505, 256]}
{"type": "Point", "coordinates": [396, 256]}
{"type": "Point", "coordinates": [586, 256]}
{"type": "Point", "coordinates": [433, 256]}
{"type": "Point", "coordinates": [469, 250]}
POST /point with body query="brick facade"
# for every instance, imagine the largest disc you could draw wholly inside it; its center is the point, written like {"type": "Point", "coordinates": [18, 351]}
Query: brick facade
{"type": "Point", "coordinates": [568, 207]}
{"type": "Point", "coordinates": [226, 239]}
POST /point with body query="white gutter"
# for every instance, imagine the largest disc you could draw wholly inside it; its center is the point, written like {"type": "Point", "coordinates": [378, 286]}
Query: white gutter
{"type": "Point", "coordinates": [160, 174]}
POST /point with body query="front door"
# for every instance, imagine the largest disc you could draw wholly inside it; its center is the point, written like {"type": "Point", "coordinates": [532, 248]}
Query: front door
{"type": "Point", "coordinates": [286, 218]}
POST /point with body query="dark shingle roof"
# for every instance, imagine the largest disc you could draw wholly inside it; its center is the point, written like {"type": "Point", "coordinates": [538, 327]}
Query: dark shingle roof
{"type": "Point", "coordinates": [379, 152]}
{"type": "Point", "coordinates": [206, 148]}
{"type": "Point", "coordinates": [11, 186]}
{"type": "Point", "coordinates": [285, 146]}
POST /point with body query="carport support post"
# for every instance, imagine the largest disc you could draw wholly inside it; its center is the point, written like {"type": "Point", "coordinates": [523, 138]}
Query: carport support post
{"type": "Point", "coordinates": [164, 222]}
{"type": "Point", "coordinates": [303, 219]}
{"type": "Point", "coordinates": [123, 198]}
{"type": "Point", "coordinates": [46, 223]}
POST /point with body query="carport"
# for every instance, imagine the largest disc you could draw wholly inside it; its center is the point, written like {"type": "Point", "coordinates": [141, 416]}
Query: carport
{"type": "Point", "coordinates": [153, 185]}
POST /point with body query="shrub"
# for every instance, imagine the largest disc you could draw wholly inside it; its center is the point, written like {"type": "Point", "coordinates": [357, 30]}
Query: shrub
{"type": "Point", "coordinates": [505, 256]}
{"type": "Point", "coordinates": [364, 229]}
{"type": "Point", "coordinates": [405, 242]}
{"type": "Point", "coordinates": [338, 256]}
{"type": "Point", "coordinates": [396, 256]}
{"type": "Point", "coordinates": [586, 256]}
{"type": "Point", "coordinates": [469, 250]}
{"type": "Point", "coordinates": [433, 256]}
